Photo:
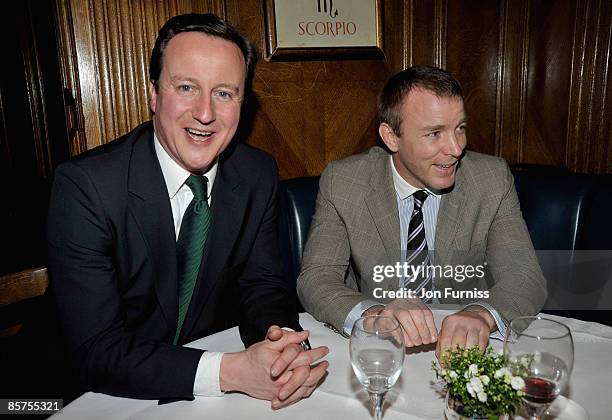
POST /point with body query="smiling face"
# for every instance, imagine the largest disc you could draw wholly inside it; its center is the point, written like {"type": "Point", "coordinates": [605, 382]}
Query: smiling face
{"type": "Point", "coordinates": [432, 139]}
{"type": "Point", "coordinates": [197, 104]}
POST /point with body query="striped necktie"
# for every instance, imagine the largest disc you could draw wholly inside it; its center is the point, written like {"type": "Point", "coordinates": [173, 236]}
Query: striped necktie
{"type": "Point", "coordinates": [417, 253]}
{"type": "Point", "coordinates": [190, 245]}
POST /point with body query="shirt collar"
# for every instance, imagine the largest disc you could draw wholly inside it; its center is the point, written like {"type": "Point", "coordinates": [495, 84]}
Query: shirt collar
{"type": "Point", "coordinates": [174, 175]}
{"type": "Point", "coordinates": [403, 188]}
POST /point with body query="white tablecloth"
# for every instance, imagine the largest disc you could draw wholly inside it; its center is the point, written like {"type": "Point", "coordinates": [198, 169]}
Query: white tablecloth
{"type": "Point", "coordinates": [340, 396]}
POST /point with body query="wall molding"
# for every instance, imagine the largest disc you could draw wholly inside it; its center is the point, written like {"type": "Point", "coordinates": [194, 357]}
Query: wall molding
{"type": "Point", "coordinates": [440, 33]}
{"type": "Point", "coordinates": [512, 69]}
{"type": "Point", "coordinates": [407, 33]}
{"type": "Point", "coordinates": [589, 104]}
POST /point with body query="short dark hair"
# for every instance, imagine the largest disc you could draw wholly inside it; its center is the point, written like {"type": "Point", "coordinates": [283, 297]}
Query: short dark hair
{"type": "Point", "coordinates": [208, 24]}
{"type": "Point", "coordinates": [397, 88]}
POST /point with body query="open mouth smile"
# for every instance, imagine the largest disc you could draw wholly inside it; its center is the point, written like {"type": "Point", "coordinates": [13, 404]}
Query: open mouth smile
{"type": "Point", "coordinates": [198, 135]}
{"type": "Point", "coordinates": [446, 166]}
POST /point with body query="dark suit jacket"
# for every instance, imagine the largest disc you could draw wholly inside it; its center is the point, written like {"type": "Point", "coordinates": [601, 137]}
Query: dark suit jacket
{"type": "Point", "coordinates": [112, 258]}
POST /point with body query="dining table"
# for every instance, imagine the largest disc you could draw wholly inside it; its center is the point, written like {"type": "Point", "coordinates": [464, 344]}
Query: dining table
{"type": "Point", "coordinates": [416, 395]}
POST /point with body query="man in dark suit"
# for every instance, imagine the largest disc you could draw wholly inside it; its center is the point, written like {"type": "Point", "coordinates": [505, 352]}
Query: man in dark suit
{"type": "Point", "coordinates": [129, 289]}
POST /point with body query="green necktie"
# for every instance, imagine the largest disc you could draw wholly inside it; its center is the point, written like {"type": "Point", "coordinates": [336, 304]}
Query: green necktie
{"type": "Point", "coordinates": [190, 245]}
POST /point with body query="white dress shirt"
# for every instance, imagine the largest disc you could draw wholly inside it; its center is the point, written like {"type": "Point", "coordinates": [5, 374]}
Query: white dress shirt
{"type": "Point", "coordinates": [207, 374]}
{"type": "Point", "coordinates": [405, 205]}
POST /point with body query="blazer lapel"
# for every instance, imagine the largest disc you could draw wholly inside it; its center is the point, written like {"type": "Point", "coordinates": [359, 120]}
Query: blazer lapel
{"type": "Point", "coordinates": [449, 220]}
{"type": "Point", "coordinates": [229, 200]}
{"type": "Point", "coordinates": [150, 206]}
{"type": "Point", "coordinates": [382, 205]}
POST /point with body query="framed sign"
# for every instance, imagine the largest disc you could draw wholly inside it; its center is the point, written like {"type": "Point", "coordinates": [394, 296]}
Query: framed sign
{"type": "Point", "coordinates": [322, 28]}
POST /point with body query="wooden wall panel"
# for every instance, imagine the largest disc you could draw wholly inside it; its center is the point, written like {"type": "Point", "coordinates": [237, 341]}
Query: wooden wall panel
{"type": "Point", "coordinates": [549, 80]}
{"type": "Point", "coordinates": [472, 57]}
{"type": "Point", "coordinates": [536, 77]}
{"type": "Point", "coordinates": [590, 107]}
{"type": "Point", "coordinates": [422, 17]}
{"type": "Point", "coordinates": [397, 35]}
{"type": "Point", "coordinates": [311, 112]}
{"type": "Point", "coordinates": [511, 69]}
{"type": "Point", "coordinates": [107, 45]}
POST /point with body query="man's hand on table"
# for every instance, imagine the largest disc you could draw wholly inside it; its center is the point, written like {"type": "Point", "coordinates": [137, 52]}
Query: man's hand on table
{"type": "Point", "coordinates": [466, 328]}
{"type": "Point", "coordinates": [415, 318]}
{"type": "Point", "coordinates": [469, 327]}
{"type": "Point", "coordinates": [277, 369]}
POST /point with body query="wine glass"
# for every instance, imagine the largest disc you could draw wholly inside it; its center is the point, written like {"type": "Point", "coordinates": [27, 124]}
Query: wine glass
{"type": "Point", "coordinates": [377, 356]}
{"type": "Point", "coordinates": [541, 351]}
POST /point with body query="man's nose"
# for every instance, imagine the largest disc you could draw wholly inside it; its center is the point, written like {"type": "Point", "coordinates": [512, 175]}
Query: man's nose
{"type": "Point", "coordinates": [204, 110]}
{"type": "Point", "coordinates": [454, 145]}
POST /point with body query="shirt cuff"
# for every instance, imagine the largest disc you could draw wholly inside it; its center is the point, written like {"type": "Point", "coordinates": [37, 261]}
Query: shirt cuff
{"type": "Point", "coordinates": [206, 382]}
{"type": "Point", "coordinates": [501, 327]}
{"type": "Point", "coordinates": [356, 312]}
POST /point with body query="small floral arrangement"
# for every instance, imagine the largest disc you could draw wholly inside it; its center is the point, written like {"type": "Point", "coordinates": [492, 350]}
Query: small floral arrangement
{"type": "Point", "coordinates": [480, 383]}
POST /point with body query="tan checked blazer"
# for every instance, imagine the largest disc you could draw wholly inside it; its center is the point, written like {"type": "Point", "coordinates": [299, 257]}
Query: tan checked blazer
{"type": "Point", "coordinates": [356, 226]}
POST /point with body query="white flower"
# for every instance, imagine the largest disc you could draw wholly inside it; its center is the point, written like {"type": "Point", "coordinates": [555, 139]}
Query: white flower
{"type": "Point", "coordinates": [482, 397]}
{"type": "Point", "coordinates": [485, 380]}
{"type": "Point", "coordinates": [469, 388]}
{"type": "Point", "coordinates": [452, 375]}
{"type": "Point", "coordinates": [517, 383]}
{"type": "Point", "coordinates": [472, 371]}
{"type": "Point", "coordinates": [501, 372]}
{"type": "Point", "coordinates": [476, 385]}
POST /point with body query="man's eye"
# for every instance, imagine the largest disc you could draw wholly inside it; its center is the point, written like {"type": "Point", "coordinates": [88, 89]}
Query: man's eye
{"type": "Point", "coordinates": [433, 134]}
{"type": "Point", "coordinates": [224, 95]}
{"type": "Point", "coordinates": [185, 88]}
{"type": "Point", "coordinates": [462, 128]}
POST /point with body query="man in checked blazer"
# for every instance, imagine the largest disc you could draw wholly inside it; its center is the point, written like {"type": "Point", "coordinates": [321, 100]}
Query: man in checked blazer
{"type": "Point", "coordinates": [471, 217]}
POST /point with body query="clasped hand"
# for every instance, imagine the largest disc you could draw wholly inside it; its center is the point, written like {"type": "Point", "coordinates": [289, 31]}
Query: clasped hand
{"type": "Point", "coordinates": [466, 328]}
{"type": "Point", "coordinates": [277, 369]}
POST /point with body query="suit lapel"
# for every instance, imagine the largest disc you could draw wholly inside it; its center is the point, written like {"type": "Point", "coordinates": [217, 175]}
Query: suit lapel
{"type": "Point", "coordinates": [452, 207]}
{"type": "Point", "coordinates": [382, 205]}
{"type": "Point", "coordinates": [150, 206]}
{"type": "Point", "coordinates": [229, 199]}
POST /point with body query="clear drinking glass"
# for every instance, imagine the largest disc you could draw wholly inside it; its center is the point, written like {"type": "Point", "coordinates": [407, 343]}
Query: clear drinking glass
{"type": "Point", "coordinates": [377, 356]}
{"type": "Point", "coordinates": [541, 351]}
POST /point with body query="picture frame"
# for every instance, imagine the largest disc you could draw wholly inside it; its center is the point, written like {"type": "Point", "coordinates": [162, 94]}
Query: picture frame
{"type": "Point", "coordinates": [312, 29]}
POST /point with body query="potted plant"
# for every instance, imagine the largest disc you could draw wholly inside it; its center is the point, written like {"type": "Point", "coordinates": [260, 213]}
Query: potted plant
{"type": "Point", "coordinates": [478, 385]}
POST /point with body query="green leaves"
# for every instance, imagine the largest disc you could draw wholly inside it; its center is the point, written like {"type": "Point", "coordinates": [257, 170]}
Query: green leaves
{"type": "Point", "coordinates": [481, 383]}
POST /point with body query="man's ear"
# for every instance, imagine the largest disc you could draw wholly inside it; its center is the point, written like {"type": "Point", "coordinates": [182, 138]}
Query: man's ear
{"type": "Point", "coordinates": [388, 136]}
{"type": "Point", "coordinates": [153, 96]}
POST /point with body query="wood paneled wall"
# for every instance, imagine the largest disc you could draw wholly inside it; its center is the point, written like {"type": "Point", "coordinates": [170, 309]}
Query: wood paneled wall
{"type": "Point", "coordinates": [535, 74]}
{"type": "Point", "coordinates": [106, 48]}
{"type": "Point", "coordinates": [311, 112]}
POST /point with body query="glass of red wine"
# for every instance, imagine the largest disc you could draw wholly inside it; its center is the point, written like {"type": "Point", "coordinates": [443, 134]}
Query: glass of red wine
{"type": "Point", "coordinates": [541, 351]}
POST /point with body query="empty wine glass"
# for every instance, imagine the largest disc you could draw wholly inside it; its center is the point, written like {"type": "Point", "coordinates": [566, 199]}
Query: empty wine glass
{"type": "Point", "coordinates": [377, 356]}
{"type": "Point", "coordinates": [541, 351]}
